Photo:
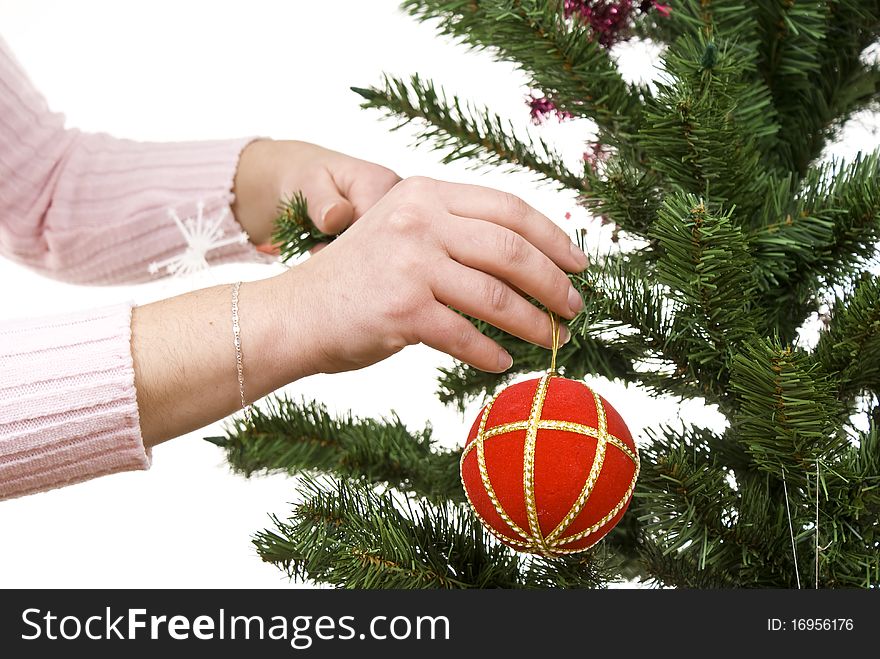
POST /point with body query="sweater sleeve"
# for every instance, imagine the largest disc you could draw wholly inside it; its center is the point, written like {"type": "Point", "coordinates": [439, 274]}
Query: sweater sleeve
{"type": "Point", "coordinates": [68, 407]}
{"type": "Point", "coordinates": [94, 209]}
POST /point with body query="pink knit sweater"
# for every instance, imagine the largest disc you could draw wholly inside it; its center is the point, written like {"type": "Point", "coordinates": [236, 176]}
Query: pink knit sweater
{"type": "Point", "coordinates": [88, 209]}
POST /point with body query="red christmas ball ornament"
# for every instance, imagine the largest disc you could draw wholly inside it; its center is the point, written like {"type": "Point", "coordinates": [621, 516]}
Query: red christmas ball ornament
{"type": "Point", "coordinates": [549, 466]}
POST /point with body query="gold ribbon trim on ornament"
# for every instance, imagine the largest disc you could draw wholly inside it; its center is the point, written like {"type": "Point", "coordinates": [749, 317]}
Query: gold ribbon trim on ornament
{"type": "Point", "coordinates": [529, 464]}
{"type": "Point", "coordinates": [535, 541]}
{"type": "Point", "coordinates": [484, 474]}
{"type": "Point", "coordinates": [553, 424]}
{"type": "Point", "coordinates": [598, 461]}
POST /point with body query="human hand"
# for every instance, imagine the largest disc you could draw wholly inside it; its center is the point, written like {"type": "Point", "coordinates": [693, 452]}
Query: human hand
{"type": "Point", "coordinates": [386, 282]}
{"type": "Point", "coordinates": [339, 189]}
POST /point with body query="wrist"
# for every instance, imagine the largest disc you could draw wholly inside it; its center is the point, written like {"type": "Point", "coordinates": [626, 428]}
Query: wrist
{"type": "Point", "coordinates": [256, 190]}
{"type": "Point", "coordinates": [287, 338]}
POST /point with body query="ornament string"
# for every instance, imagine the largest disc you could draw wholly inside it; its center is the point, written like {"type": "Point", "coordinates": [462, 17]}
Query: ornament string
{"type": "Point", "coordinates": [830, 542]}
{"type": "Point", "coordinates": [817, 524]}
{"type": "Point", "coordinates": [815, 527]}
{"type": "Point", "coordinates": [791, 530]}
{"type": "Point", "coordinates": [554, 330]}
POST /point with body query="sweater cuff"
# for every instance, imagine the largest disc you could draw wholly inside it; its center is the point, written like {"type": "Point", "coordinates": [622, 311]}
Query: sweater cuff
{"type": "Point", "coordinates": [113, 211]}
{"type": "Point", "coordinates": [68, 409]}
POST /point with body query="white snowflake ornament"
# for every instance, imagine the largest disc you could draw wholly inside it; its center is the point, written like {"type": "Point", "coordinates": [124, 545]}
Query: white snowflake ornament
{"type": "Point", "coordinates": [202, 235]}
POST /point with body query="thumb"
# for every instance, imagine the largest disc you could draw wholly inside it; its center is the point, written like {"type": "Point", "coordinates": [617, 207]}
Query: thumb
{"type": "Point", "coordinates": [335, 216]}
{"type": "Point", "coordinates": [329, 210]}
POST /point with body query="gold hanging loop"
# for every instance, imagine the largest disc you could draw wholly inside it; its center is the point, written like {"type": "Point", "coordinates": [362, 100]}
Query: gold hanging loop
{"type": "Point", "coordinates": [554, 330]}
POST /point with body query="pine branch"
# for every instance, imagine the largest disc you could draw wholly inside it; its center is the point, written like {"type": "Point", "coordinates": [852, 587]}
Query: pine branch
{"type": "Point", "coordinates": [629, 311]}
{"type": "Point", "coordinates": [788, 414]}
{"type": "Point", "coordinates": [558, 55]}
{"type": "Point", "coordinates": [295, 233]}
{"type": "Point", "coordinates": [850, 347]}
{"type": "Point", "coordinates": [591, 569]}
{"type": "Point", "coordinates": [348, 535]}
{"type": "Point", "coordinates": [627, 330]}
{"type": "Point", "coordinates": [712, 18]}
{"type": "Point", "coordinates": [290, 437]}
{"type": "Point", "coordinates": [789, 237]}
{"type": "Point", "coordinates": [580, 357]}
{"type": "Point", "coordinates": [762, 534]}
{"type": "Point", "coordinates": [464, 131]}
{"type": "Point", "coordinates": [625, 194]}
{"type": "Point", "coordinates": [711, 130]}
{"type": "Point", "coordinates": [865, 498]}
{"type": "Point", "coordinates": [843, 85]}
{"type": "Point", "coordinates": [670, 570]}
{"type": "Point", "coordinates": [813, 101]}
{"type": "Point", "coordinates": [850, 195]}
{"type": "Point", "coordinates": [706, 264]}
{"type": "Point", "coordinates": [791, 37]}
{"type": "Point", "coordinates": [818, 231]}
{"type": "Point", "coordinates": [677, 476]}
{"type": "Point", "coordinates": [849, 521]}
{"type": "Point", "coordinates": [701, 529]}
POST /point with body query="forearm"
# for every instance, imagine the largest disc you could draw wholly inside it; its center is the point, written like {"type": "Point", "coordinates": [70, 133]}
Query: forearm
{"type": "Point", "coordinates": [185, 360]}
{"type": "Point", "coordinates": [94, 209]}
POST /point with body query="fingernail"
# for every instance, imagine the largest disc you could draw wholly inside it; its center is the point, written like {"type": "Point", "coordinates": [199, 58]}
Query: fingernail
{"type": "Point", "coordinates": [505, 361]}
{"type": "Point", "coordinates": [564, 335]}
{"type": "Point", "coordinates": [579, 255]}
{"type": "Point", "coordinates": [575, 301]}
{"type": "Point", "coordinates": [326, 211]}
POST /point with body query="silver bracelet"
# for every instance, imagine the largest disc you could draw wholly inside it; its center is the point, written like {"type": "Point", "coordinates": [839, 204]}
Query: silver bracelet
{"type": "Point", "coordinates": [239, 364]}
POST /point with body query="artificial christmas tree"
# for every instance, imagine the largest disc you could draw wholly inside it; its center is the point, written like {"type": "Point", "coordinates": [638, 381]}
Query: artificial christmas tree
{"type": "Point", "coordinates": [736, 234]}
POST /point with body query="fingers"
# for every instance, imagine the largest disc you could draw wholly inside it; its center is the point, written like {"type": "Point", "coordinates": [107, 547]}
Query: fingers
{"type": "Point", "coordinates": [486, 297]}
{"type": "Point", "coordinates": [270, 249]}
{"type": "Point", "coordinates": [507, 255]}
{"type": "Point", "coordinates": [368, 187]}
{"type": "Point", "coordinates": [339, 198]}
{"type": "Point", "coordinates": [510, 211]}
{"type": "Point", "coordinates": [455, 335]}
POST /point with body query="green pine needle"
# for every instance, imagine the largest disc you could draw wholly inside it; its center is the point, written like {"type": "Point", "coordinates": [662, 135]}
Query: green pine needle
{"type": "Point", "coordinates": [291, 437]}
{"type": "Point", "coordinates": [464, 131]}
{"type": "Point", "coordinates": [350, 536]}
{"type": "Point", "coordinates": [295, 233]}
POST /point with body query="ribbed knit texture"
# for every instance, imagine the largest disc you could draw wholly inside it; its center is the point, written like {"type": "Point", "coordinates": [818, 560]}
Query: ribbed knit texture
{"type": "Point", "coordinates": [68, 410]}
{"type": "Point", "coordinates": [88, 209]}
{"type": "Point", "coordinates": [93, 209]}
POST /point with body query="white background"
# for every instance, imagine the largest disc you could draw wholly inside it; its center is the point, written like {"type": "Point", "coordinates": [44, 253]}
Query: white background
{"type": "Point", "coordinates": [164, 70]}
